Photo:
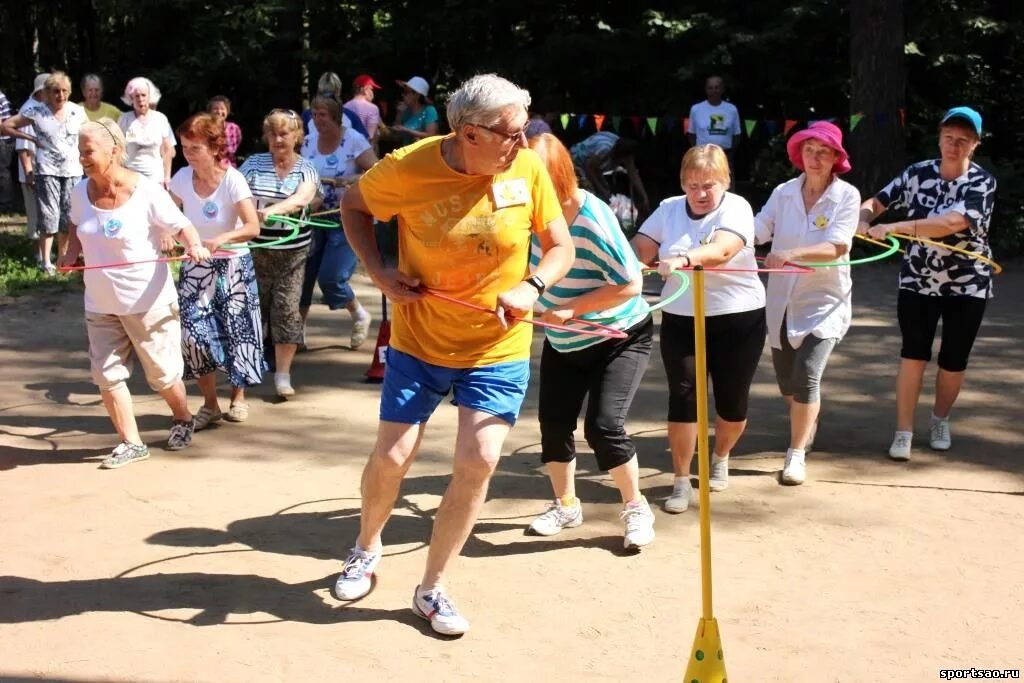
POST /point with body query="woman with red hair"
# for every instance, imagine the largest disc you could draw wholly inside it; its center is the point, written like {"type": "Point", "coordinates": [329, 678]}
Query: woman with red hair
{"type": "Point", "coordinates": [220, 306]}
{"type": "Point", "coordinates": [605, 284]}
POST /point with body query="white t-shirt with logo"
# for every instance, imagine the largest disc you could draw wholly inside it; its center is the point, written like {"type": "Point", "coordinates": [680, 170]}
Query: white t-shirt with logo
{"type": "Point", "coordinates": [714, 124]}
{"type": "Point", "coordinates": [131, 232]}
{"type": "Point", "coordinates": [677, 232]}
{"type": "Point", "coordinates": [215, 214]}
{"type": "Point", "coordinates": [57, 141]}
{"type": "Point", "coordinates": [145, 137]}
{"type": "Point", "coordinates": [340, 162]}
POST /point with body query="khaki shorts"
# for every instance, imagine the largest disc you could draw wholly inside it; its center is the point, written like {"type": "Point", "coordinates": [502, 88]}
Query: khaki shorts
{"type": "Point", "coordinates": [154, 336]}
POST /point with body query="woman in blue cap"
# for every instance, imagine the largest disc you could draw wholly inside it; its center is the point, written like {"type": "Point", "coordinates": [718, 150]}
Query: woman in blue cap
{"type": "Point", "coordinates": [948, 200]}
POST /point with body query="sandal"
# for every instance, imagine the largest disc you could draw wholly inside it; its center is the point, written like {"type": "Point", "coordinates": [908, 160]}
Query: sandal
{"type": "Point", "coordinates": [206, 416]}
{"type": "Point", "coordinates": [238, 412]}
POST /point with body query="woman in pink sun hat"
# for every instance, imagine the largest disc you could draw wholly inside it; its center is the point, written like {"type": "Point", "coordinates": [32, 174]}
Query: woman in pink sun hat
{"type": "Point", "coordinates": [811, 218]}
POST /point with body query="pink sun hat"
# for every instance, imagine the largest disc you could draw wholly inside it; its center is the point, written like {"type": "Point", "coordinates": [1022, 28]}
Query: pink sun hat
{"type": "Point", "coordinates": [826, 133]}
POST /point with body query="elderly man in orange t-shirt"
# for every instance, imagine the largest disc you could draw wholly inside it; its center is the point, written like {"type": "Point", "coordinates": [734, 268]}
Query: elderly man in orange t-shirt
{"type": "Point", "coordinates": [467, 205]}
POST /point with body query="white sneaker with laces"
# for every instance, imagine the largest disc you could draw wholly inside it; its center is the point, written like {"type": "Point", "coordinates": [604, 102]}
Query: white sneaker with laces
{"type": "Point", "coordinates": [556, 518]}
{"type": "Point", "coordinates": [435, 607]}
{"type": "Point", "coordinates": [900, 448]}
{"type": "Point", "coordinates": [719, 479]}
{"type": "Point", "coordinates": [679, 501]}
{"type": "Point", "coordinates": [360, 330]}
{"type": "Point", "coordinates": [794, 472]}
{"type": "Point", "coordinates": [940, 439]}
{"type": "Point", "coordinates": [356, 578]}
{"type": "Point", "coordinates": [639, 521]}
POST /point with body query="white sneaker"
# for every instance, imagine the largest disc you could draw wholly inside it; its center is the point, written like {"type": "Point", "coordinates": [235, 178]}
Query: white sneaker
{"type": "Point", "coordinates": [360, 329]}
{"type": "Point", "coordinates": [900, 448]}
{"type": "Point", "coordinates": [436, 608]}
{"type": "Point", "coordinates": [283, 385]}
{"type": "Point", "coordinates": [639, 521]}
{"type": "Point", "coordinates": [556, 518]}
{"type": "Point", "coordinates": [794, 472]}
{"type": "Point", "coordinates": [719, 479]}
{"type": "Point", "coordinates": [940, 439]}
{"type": "Point", "coordinates": [679, 501]}
{"type": "Point", "coordinates": [356, 578]}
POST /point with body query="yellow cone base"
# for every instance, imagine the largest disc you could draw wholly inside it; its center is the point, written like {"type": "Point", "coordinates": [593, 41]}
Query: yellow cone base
{"type": "Point", "coordinates": [706, 664]}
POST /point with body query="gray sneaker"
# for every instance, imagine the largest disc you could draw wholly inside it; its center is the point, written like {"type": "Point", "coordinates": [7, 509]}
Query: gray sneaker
{"type": "Point", "coordinates": [125, 453]}
{"type": "Point", "coordinates": [180, 435]}
{"type": "Point", "coordinates": [719, 479]}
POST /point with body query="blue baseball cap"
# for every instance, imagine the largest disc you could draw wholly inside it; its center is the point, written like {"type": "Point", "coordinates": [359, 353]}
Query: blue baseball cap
{"type": "Point", "coordinates": [966, 113]}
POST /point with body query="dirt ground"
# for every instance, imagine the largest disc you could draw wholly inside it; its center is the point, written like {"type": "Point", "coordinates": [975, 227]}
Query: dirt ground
{"type": "Point", "coordinates": [215, 563]}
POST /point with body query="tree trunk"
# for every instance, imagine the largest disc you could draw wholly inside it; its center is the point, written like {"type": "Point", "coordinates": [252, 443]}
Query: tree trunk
{"type": "Point", "coordinates": [878, 92]}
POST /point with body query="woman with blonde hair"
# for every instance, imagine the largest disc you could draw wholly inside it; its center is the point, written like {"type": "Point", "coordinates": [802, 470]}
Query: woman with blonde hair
{"type": "Point", "coordinates": [56, 123]}
{"type": "Point", "coordinates": [119, 216]}
{"type": "Point", "coordinates": [710, 227]}
{"type": "Point", "coordinates": [605, 282]}
{"type": "Point", "coordinates": [282, 183]}
{"type": "Point", "coordinates": [148, 132]}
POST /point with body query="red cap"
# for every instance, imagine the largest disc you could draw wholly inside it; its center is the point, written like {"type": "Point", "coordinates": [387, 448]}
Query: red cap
{"type": "Point", "coordinates": [364, 80]}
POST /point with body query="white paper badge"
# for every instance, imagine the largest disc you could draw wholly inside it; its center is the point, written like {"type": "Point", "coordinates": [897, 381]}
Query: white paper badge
{"type": "Point", "coordinates": [510, 193]}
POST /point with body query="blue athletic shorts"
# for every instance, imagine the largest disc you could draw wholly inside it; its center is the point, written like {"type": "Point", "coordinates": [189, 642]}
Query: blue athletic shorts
{"type": "Point", "coordinates": [413, 388]}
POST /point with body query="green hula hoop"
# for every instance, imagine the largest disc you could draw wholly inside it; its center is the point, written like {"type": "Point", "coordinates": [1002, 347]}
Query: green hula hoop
{"type": "Point", "coordinates": [893, 248]}
{"type": "Point", "coordinates": [296, 224]}
{"type": "Point", "coordinates": [684, 285]}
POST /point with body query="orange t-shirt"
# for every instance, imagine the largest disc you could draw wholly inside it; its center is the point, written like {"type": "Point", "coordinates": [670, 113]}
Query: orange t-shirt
{"type": "Point", "coordinates": [465, 236]}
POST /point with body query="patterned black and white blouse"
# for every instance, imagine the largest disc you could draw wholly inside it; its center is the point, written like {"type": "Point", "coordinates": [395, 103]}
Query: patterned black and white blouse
{"type": "Point", "coordinates": [923, 193]}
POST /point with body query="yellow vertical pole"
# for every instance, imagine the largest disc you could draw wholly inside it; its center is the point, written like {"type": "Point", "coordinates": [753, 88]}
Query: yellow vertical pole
{"type": "Point", "coordinates": [706, 663]}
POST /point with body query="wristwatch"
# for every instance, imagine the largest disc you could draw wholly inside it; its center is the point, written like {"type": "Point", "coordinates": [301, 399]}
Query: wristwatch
{"type": "Point", "coordinates": [537, 283]}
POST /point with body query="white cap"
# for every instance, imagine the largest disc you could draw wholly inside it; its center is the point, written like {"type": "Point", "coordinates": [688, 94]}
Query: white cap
{"type": "Point", "coordinates": [416, 84]}
{"type": "Point", "coordinates": [39, 83]}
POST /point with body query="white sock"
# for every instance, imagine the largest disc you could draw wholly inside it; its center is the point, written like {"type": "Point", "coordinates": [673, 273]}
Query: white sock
{"type": "Point", "coordinates": [797, 451]}
{"type": "Point", "coordinates": [682, 483]}
{"type": "Point", "coordinates": [936, 418]}
{"type": "Point", "coordinates": [359, 313]}
{"type": "Point", "coordinates": [283, 377]}
{"type": "Point", "coordinates": [908, 435]}
{"type": "Point", "coordinates": [720, 457]}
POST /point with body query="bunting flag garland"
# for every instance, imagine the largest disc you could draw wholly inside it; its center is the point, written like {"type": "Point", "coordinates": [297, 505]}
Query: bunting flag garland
{"type": "Point", "coordinates": [652, 123]}
{"type": "Point", "coordinates": [599, 120]}
{"type": "Point", "coordinates": [616, 123]}
{"type": "Point", "coordinates": [855, 119]}
{"type": "Point", "coordinates": [582, 120]}
{"type": "Point", "coordinates": [903, 117]}
{"type": "Point", "coordinates": [788, 126]}
{"type": "Point", "coordinates": [636, 123]}
{"type": "Point", "coordinates": [772, 127]}
{"type": "Point", "coordinates": [564, 118]}
{"type": "Point", "coordinates": [749, 124]}
{"type": "Point", "coordinates": [686, 124]}
{"type": "Point", "coordinates": [670, 123]}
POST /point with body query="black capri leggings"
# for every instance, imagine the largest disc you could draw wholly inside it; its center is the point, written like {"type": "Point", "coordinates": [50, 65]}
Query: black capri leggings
{"type": "Point", "coordinates": [919, 317]}
{"type": "Point", "coordinates": [610, 372]}
{"type": "Point", "coordinates": [734, 344]}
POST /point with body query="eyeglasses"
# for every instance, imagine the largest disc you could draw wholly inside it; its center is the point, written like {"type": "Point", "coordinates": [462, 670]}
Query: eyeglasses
{"type": "Point", "coordinates": [506, 137]}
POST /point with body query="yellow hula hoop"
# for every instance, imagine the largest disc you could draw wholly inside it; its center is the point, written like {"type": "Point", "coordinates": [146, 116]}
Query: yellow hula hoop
{"type": "Point", "coordinates": [996, 268]}
{"type": "Point", "coordinates": [325, 213]}
{"type": "Point", "coordinates": [876, 242]}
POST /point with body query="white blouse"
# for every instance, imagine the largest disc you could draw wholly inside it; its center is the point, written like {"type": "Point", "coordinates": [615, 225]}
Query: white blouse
{"type": "Point", "coordinates": [818, 303]}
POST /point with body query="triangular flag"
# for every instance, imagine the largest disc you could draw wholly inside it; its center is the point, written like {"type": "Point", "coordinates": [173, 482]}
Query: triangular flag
{"type": "Point", "coordinates": [565, 121]}
{"type": "Point", "coordinates": [882, 117]}
{"type": "Point", "coordinates": [636, 123]}
{"type": "Point", "coordinates": [772, 127]}
{"type": "Point", "coordinates": [670, 123]}
{"type": "Point", "coordinates": [903, 117]}
{"type": "Point", "coordinates": [581, 120]}
{"type": "Point", "coordinates": [686, 124]}
{"type": "Point", "coordinates": [749, 124]}
{"type": "Point", "coordinates": [855, 120]}
{"type": "Point", "coordinates": [790, 123]}
{"type": "Point", "coordinates": [599, 120]}
{"type": "Point", "coordinates": [652, 123]}
{"type": "Point", "coordinates": [616, 122]}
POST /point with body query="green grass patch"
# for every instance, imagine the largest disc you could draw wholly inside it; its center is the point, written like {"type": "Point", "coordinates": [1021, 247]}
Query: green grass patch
{"type": "Point", "coordinates": [19, 273]}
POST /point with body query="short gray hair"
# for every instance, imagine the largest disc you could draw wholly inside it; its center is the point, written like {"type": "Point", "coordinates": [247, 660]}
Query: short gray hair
{"type": "Point", "coordinates": [482, 99]}
{"type": "Point", "coordinates": [109, 134]}
{"type": "Point", "coordinates": [91, 78]}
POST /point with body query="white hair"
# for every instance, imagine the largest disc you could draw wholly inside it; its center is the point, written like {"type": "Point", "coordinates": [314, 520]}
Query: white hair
{"type": "Point", "coordinates": [482, 100]}
{"type": "Point", "coordinates": [106, 131]}
{"type": "Point", "coordinates": [141, 83]}
{"type": "Point", "coordinates": [91, 78]}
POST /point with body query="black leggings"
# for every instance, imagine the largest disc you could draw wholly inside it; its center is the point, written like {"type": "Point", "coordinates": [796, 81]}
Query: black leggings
{"type": "Point", "coordinates": [734, 344]}
{"type": "Point", "coordinates": [919, 317]}
{"type": "Point", "coordinates": [610, 372]}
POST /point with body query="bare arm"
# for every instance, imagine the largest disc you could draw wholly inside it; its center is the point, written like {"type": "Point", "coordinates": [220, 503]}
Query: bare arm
{"type": "Point", "coordinates": [304, 195]}
{"type": "Point", "coordinates": [645, 248]}
{"type": "Point", "coordinates": [558, 256]}
{"type": "Point", "coordinates": [608, 296]}
{"type": "Point", "coordinates": [357, 222]}
{"type": "Point", "coordinates": [934, 226]}
{"type": "Point", "coordinates": [11, 124]}
{"type": "Point", "coordinates": [250, 227]}
{"type": "Point", "coordinates": [870, 210]}
{"type": "Point", "coordinates": [25, 158]}
{"type": "Point", "coordinates": [723, 246]}
{"type": "Point", "coordinates": [167, 153]}
{"type": "Point", "coordinates": [74, 248]}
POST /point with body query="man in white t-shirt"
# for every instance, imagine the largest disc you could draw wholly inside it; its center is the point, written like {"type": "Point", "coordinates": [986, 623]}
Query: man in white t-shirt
{"type": "Point", "coordinates": [714, 121]}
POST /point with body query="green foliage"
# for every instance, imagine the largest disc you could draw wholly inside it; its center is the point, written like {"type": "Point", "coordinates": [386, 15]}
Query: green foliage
{"type": "Point", "coordinates": [18, 270]}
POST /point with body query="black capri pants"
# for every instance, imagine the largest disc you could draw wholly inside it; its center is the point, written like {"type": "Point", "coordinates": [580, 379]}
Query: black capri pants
{"type": "Point", "coordinates": [610, 372]}
{"type": "Point", "coordinates": [919, 317]}
{"type": "Point", "coordinates": [734, 345]}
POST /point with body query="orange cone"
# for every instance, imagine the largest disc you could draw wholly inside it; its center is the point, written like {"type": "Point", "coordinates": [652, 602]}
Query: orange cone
{"type": "Point", "coordinates": [376, 371]}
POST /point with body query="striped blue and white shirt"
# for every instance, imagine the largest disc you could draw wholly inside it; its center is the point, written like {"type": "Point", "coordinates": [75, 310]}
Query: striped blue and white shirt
{"type": "Point", "coordinates": [603, 257]}
{"type": "Point", "coordinates": [267, 188]}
